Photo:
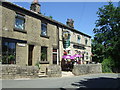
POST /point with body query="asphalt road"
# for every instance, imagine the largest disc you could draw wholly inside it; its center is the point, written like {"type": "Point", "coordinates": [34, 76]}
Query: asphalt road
{"type": "Point", "coordinates": [83, 81]}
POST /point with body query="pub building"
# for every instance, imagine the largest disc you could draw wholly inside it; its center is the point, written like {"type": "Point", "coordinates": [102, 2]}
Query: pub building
{"type": "Point", "coordinates": [29, 38]}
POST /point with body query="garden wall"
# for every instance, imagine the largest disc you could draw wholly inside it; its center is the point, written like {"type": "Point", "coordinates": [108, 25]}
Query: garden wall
{"type": "Point", "coordinates": [54, 71]}
{"type": "Point", "coordinates": [86, 69]}
{"type": "Point", "coordinates": [14, 71]}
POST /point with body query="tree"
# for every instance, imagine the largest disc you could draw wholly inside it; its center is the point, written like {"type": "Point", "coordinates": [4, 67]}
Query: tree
{"type": "Point", "coordinates": [107, 32]}
{"type": "Point", "coordinates": [97, 50]}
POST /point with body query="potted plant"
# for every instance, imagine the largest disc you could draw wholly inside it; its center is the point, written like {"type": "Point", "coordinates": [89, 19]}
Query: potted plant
{"type": "Point", "coordinates": [43, 56]}
{"type": "Point", "coordinates": [11, 59]}
{"type": "Point", "coordinates": [37, 64]}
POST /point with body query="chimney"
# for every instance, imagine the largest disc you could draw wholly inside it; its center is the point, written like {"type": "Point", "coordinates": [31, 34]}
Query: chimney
{"type": "Point", "coordinates": [70, 23]}
{"type": "Point", "coordinates": [35, 6]}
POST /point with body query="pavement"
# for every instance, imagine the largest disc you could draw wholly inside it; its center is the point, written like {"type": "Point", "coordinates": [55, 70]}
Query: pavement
{"type": "Point", "coordinates": [102, 80]}
{"type": "Point", "coordinates": [67, 74]}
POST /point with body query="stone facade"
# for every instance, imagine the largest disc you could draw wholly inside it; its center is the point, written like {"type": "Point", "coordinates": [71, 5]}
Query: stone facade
{"type": "Point", "coordinates": [31, 37]}
{"type": "Point", "coordinates": [54, 71]}
{"type": "Point", "coordinates": [86, 69]}
{"type": "Point", "coordinates": [15, 71]}
{"type": "Point", "coordinates": [74, 42]}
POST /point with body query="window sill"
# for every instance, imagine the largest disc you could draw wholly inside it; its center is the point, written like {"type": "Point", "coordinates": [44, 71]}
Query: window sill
{"type": "Point", "coordinates": [20, 30]}
{"type": "Point", "coordinates": [45, 36]}
{"type": "Point", "coordinates": [44, 62]}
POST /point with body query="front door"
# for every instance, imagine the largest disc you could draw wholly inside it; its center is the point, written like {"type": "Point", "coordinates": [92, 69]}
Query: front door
{"type": "Point", "coordinates": [30, 55]}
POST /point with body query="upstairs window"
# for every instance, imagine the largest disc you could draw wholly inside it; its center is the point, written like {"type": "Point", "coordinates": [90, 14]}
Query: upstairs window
{"type": "Point", "coordinates": [86, 41]}
{"type": "Point", "coordinates": [43, 29]}
{"type": "Point", "coordinates": [78, 39]}
{"type": "Point", "coordinates": [19, 22]}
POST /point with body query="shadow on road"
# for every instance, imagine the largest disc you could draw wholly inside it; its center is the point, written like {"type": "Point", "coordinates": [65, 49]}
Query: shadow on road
{"type": "Point", "coordinates": [101, 82]}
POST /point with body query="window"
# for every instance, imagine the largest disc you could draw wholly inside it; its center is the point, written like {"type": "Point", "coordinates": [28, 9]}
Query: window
{"type": "Point", "coordinates": [83, 56]}
{"type": "Point", "coordinates": [86, 55]}
{"type": "Point", "coordinates": [79, 52]}
{"type": "Point", "coordinates": [19, 22]}
{"type": "Point", "coordinates": [69, 52]}
{"type": "Point", "coordinates": [44, 29]}
{"type": "Point", "coordinates": [78, 39]}
{"type": "Point", "coordinates": [8, 52]}
{"type": "Point", "coordinates": [86, 41]}
{"type": "Point", "coordinates": [43, 53]}
{"type": "Point", "coordinates": [79, 47]}
{"type": "Point", "coordinates": [54, 56]}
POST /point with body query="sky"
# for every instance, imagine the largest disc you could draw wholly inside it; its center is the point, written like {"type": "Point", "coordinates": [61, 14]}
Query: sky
{"type": "Point", "coordinates": [83, 13]}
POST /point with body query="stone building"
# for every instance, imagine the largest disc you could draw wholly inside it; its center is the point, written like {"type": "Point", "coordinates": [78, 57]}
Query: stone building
{"type": "Point", "coordinates": [76, 42]}
{"type": "Point", "coordinates": [29, 38]}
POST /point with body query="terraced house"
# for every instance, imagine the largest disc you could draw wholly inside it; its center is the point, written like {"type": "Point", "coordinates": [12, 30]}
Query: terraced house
{"type": "Point", "coordinates": [29, 38]}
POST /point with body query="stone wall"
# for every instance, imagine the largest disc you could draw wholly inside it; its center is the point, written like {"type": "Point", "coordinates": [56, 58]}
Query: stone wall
{"type": "Point", "coordinates": [14, 71]}
{"type": "Point", "coordinates": [86, 69]}
{"type": "Point", "coordinates": [54, 71]}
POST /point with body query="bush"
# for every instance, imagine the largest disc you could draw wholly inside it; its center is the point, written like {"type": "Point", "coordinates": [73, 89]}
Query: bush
{"type": "Point", "coordinates": [107, 65]}
{"type": "Point", "coordinates": [37, 64]}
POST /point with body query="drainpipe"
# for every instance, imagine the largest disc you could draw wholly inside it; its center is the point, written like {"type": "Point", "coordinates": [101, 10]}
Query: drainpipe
{"type": "Point", "coordinates": [58, 46]}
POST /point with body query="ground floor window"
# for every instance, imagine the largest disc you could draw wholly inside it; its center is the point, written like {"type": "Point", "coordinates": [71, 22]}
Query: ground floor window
{"type": "Point", "coordinates": [8, 52]}
{"type": "Point", "coordinates": [83, 57]}
{"type": "Point", "coordinates": [54, 56]}
{"type": "Point", "coordinates": [43, 53]}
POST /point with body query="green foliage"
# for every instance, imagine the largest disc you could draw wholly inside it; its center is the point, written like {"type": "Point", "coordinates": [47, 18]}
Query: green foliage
{"type": "Point", "coordinates": [4, 58]}
{"type": "Point", "coordinates": [51, 17]}
{"type": "Point", "coordinates": [8, 59]}
{"type": "Point", "coordinates": [0, 61]}
{"type": "Point", "coordinates": [37, 64]}
{"type": "Point", "coordinates": [106, 41]}
{"type": "Point", "coordinates": [107, 65]}
{"type": "Point", "coordinates": [43, 56]}
{"type": "Point", "coordinates": [98, 51]}
{"type": "Point", "coordinates": [11, 57]}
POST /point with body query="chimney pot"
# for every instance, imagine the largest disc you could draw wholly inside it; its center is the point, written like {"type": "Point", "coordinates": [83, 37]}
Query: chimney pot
{"type": "Point", "coordinates": [35, 6]}
{"type": "Point", "coordinates": [35, 1]}
{"type": "Point", "coordinates": [70, 23]}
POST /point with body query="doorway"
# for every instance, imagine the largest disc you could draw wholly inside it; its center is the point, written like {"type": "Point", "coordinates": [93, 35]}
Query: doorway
{"type": "Point", "coordinates": [55, 56]}
{"type": "Point", "coordinates": [30, 55]}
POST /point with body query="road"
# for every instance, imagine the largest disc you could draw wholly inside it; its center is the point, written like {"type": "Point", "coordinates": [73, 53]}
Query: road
{"type": "Point", "coordinates": [83, 81]}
